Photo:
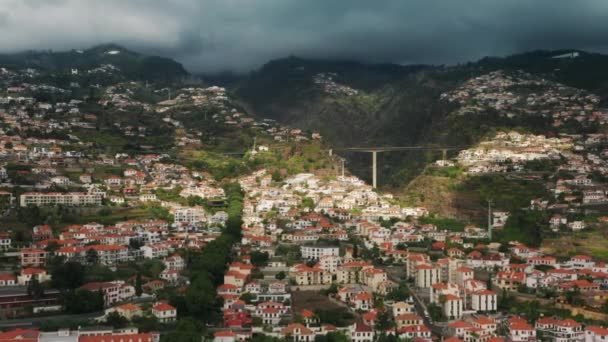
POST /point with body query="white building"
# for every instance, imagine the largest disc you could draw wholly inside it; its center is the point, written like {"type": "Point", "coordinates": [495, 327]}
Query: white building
{"type": "Point", "coordinates": [484, 300]}
{"type": "Point", "coordinates": [316, 252]}
{"type": "Point", "coordinates": [427, 275]}
{"type": "Point", "coordinates": [56, 198]}
{"type": "Point", "coordinates": [164, 312]}
{"type": "Point", "coordinates": [452, 307]}
{"type": "Point", "coordinates": [194, 215]}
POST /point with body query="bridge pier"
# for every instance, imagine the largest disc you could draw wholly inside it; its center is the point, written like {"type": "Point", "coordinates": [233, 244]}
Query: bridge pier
{"type": "Point", "coordinates": [374, 168]}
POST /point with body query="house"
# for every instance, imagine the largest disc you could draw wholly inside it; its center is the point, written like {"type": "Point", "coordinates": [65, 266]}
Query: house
{"type": "Point", "coordinates": [581, 261]}
{"type": "Point", "coordinates": [85, 178]}
{"type": "Point", "coordinates": [237, 318]}
{"type": "Point", "coordinates": [484, 300]}
{"type": "Point", "coordinates": [316, 252]}
{"type": "Point", "coordinates": [406, 320]}
{"type": "Point", "coordinates": [19, 334]}
{"type": "Point", "coordinates": [309, 317]}
{"type": "Point", "coordinates": [235, 278]}
{"type": "Point", "coordinates": [373, 277]}
{"type": "Point", "coordinates": [174, 262]}
{"type": "Point", "coordinates": [224, 336]}
{"type": "Point", "coordinates": [576, 225]}
{"type": "Point", "coordinates": [509, 280]}
{"type": "Point", "coordinates": [426, 275]}
{"type": "Point", "coordinates": [452, 307]}
{"type": "Point", "coordinates": [362, 301]}
{"type": "Point", "coordinates": [7, 280]}
{"type": "Point", "coordinates": [113, 181]}
{"type": "Point", "coordinates": [190, 215]}
{"type": "Point", "coordinates": [34, 257]}
{"type": "Point", "coordinates": [304, 275]}
{"type": "Point", "coordinates": [542, 260]}
{"type": "Point", "coordinates": [297, 332]}
{"type": "Point", "coordinates": [360, 332]}
{"type": "Point", "coordinates": [127, 311]}
{"type": "Point", "coordinates": [164, 312]}
{"type": "Point", "coordinates": [400, 308]}
{"type": "Point", "coordinates": [5, 241]}
{"type": "Point", "coordinates": [271, 312]}
{"type": "Point", "coordinates": [596, 334]}
{"type": "Point", "coordinates": [415, 333]}
{"type": "Point", "coordinates": [113, 292]}
{"type": "Point", "coordinates": [148, 198]}
{"type": "Point", "coordinates": [27, 274]}
{"type": "Point", "coordinates": [170, 276]}
{"type": "Point", "coordinates": [566, 330]}
{"type": "Point", "coordinates": [42, 232]}
{"type": "Point", "coordinates": [57, 198]}
{"type": "Point", "coordinates": [520, 330]}
{"type": "Point", "coordinates": [110, 254]}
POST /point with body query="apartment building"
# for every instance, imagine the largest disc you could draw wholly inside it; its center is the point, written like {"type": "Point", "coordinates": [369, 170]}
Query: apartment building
{"type": "Point", "coordinates": [57, 198]}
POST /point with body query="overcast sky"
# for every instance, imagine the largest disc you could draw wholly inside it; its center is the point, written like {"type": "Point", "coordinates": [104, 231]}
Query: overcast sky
{"type": "Point", "coordinates": [240, 35]}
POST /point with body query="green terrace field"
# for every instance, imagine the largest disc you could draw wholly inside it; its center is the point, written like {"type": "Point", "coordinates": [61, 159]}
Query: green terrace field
{"type": "Point", "coordinates": [590, 242]}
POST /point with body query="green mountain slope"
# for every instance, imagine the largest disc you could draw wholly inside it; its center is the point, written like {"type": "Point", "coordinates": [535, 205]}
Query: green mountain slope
{"type": "Point", "coordinates": [393, 105]}
{"type": "Point", "coordinates": [131, 64]}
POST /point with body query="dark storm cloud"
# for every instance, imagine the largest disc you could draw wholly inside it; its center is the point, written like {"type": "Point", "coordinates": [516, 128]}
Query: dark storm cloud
{"type": "Point", "coordinates": [213, 35]}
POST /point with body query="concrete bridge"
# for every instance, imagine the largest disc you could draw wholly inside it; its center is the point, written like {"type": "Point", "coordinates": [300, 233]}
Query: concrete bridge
{"type": "Point", "coordinates": [374, 151]}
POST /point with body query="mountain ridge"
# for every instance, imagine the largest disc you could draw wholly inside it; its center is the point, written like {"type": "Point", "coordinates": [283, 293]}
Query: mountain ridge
{"type": "Point", "coordinates": [132, 64]}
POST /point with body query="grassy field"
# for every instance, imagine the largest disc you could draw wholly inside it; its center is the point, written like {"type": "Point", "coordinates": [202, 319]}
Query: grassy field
{"type": "Point", "coordinates": [594, 243]}
{"type": "Point", "coordinates": [117, 215]}
{"type": "Point", "coordinates": [311, 300]}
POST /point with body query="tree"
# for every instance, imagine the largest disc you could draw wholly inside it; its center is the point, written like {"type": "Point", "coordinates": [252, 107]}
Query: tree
{"type": "Point", "coordinates": [308, 202]}
{"type": "Point", "coordinates": [201, 298]}
{"type": "Point", "coordinates": [34, 288]}
{"type": "Point", "coordinates": [356, 250]}
{"type": "Point", "coordinates": [436, 312]}
{"type": "Point", "coordinates": [67, 276]}
{"type": "Point", "coordinates": [281, 275]}
{"type": "Point", "coordinates": [332, 337]}
{"type": "Point", "coordinates": [339, 317]}
{"type": "Point", "coordinates": [92, 256]}
{"type": "Point", "coordinates": [83, 301]}
{"type": "Point", "coordinates": [152, 268]}
{"type": "Point", "coordinates": [399, 294]}
{"type": "Point", "coordinates": [115, 320]}
{"type": "Point", "coordinates": [138, 285]}
{"type": "Point", "coordinates": [186, 330]}
{"type": "Point", "coordinates": [52, 247]}
{"type": "Point", "coordinates": [248, 297]}
{"type": "Point", "coordinates": [259, 259]}
{"type": "Point", "coordinates": [384, 321]}
{"type": "Point", "coordinates": [146, 323]}
{"type": "Point", "coordinates": [504, 300]}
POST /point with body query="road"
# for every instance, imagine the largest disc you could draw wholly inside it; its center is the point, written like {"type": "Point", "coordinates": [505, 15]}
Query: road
{"type": "Point", "coordinates": [37, 321]}
{"type": "Point", "coordinates": [395, 273]}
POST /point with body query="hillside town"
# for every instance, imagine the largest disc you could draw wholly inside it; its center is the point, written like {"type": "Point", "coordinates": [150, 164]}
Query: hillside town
{"type": "Point", "coordinates": [127, 217]}
{"type": "Point", "coordinates": [522, 94]}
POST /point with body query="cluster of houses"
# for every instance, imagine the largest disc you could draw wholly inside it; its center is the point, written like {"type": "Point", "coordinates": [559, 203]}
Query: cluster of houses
{"type": "Point", "coordinates": [95, 243]}
{"type": "Point", "coordinates": [509, 151]}
{"type": "Point", "coordinates": [521, 94]}
{"type": "Point", "coordinates": [82, 334]}
{"type": "Point", "coordinates": [327, 83]}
